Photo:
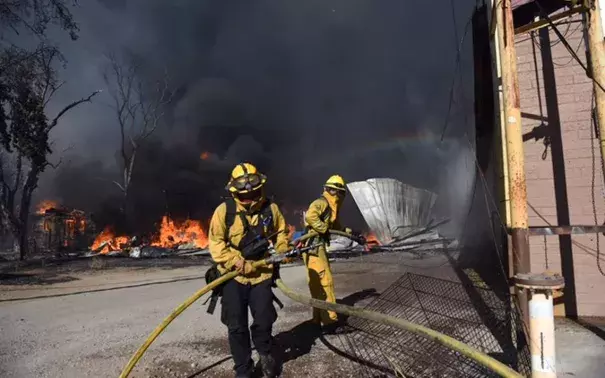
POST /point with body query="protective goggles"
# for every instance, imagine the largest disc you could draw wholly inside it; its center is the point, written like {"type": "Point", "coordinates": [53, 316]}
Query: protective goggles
{"type": "Point", "coordinates": [336, 185]}
{"type": "Point", "coordinates": [247, 182]}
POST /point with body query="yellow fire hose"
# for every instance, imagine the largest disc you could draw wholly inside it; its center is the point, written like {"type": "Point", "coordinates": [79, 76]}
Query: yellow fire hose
{"type": "Point", "coordinates": [468, 351]}
{"type": "Point", "coordinates": [417, 329]}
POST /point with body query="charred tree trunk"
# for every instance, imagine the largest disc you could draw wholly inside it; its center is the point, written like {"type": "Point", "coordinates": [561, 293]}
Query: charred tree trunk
{"type": "Point", "coordinates": [21, 245]}
{"type": "Point", "coordinates": [31, 183]}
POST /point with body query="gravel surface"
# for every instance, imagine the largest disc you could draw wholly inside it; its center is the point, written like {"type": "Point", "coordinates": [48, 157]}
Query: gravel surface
{"type": "Point", "coordinates": [87, 322]}
{"type": "Point", "coordinates": [93, 334]}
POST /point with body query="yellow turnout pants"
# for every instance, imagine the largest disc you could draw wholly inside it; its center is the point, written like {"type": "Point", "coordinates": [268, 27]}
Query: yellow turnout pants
{"type": "Point", "coordinates": [321, 284]}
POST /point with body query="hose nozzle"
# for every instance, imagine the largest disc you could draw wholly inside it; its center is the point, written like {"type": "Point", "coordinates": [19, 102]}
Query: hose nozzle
{"type": "Point", "coordinates": [277, 258]}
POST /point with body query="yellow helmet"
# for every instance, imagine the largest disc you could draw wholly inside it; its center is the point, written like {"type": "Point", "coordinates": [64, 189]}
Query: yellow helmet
{"type": "Point", "coordinates": [336, 182]}
{"type": "Point", "coordinates": [245, 178]}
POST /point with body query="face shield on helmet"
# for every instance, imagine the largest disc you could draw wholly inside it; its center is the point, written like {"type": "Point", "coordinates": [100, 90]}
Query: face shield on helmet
{"type": "Point", "coordinates": [336, 186]}
{"type": "Point", "coordinates": [246, 182]}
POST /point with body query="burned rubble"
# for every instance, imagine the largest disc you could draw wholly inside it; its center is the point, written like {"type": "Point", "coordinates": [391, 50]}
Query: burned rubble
{"type": "Point", "coordinates": [398, 215]}
{"type": "Point", "coordinates": [58, 229]}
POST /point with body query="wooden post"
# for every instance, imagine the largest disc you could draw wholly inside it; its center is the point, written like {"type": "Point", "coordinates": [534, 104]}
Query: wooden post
{"type": "Point", "coordinates": [596, 47]}
{"type": "Point", "coordinates": [514, 145]}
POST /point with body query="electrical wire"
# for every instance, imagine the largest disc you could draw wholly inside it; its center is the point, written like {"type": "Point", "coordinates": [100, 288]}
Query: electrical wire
{"type": "Point", "coordinates": [571, 59]}
{"type": "Point", "coordinates": [499, 253]}
{"type": "Point", "coordinates": [567, 32]}
{"type": "Point", "coordinates": [567, 45]}
{"type": "Point", "coordinates": [593, 122]}
{"type": "Point", "coordinates": [588, 73]}
{"type": "Point", "coordinates": [456, 73]}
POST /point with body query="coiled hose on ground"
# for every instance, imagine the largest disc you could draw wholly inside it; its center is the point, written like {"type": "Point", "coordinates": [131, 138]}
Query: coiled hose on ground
{"type": "Point", "coordinates": [468, 351]}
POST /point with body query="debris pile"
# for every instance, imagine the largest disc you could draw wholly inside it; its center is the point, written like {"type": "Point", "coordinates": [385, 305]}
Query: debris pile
{"type": "Point", "coordinates": [172, 239]}
{"type": "Point", "coordinates": [399, 218]}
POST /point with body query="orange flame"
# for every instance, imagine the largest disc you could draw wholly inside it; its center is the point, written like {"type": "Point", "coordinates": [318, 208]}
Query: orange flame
{"type": "Point", "coordinates": [204, 155]}
{"type": "Point", "coordinates": [46, 205]}
{"type": "Point", "coordinates": [189, 231]}
{"type": "Point", "coordinates": [113, 242]}
{"type": "Point", "coordinates": [371, 238]}
{"type": "Point", "coordinates": [170, 235]}
{"type": "Point", "coordinates": [71, 226]}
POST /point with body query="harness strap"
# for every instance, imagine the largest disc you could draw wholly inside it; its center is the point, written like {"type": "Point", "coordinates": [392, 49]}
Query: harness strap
{"type": "Point", "coordinates": [231, 212]}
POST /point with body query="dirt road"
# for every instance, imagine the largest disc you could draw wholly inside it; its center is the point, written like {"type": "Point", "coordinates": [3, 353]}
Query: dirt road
{"type": "Point", "coordinates": [93, 334]}
{"type": "Point", "coordinates": [91, 324]}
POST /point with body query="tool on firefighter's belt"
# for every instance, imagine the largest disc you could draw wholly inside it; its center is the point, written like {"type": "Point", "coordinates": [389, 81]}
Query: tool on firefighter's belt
{"type": "Point", "coordinates": [213, 274]}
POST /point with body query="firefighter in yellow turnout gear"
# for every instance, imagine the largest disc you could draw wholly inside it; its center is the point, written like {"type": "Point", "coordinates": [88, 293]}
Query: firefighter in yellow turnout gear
{"type": "Point", "coordinates": [322, 216]}
{"type": "Point", "coordinates": [236, 230]}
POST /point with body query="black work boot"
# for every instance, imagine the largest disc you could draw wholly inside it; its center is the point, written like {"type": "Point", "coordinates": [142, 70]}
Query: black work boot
{"type": "Point", "coordinates": [268, 366]}
{"type": "Point", "coordinates": [248, 372]}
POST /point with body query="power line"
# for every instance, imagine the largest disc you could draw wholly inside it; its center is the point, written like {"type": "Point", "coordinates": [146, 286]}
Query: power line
{"type": "Point", "coordinates": [567, 45]}
{"type": "Point", "coordinates": [456, 73]}
{"type": "Point", "coordinates": [593, 181]}
{"type": "Point", "coordinates": [487, 193]}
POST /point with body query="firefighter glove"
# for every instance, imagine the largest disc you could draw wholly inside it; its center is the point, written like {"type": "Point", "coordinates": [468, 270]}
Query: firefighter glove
{"type": "Point", "coordinates": [248, 268]}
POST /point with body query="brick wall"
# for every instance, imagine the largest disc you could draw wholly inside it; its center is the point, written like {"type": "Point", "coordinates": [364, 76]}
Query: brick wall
{"type": "Point", "coordinates": [581, 158]}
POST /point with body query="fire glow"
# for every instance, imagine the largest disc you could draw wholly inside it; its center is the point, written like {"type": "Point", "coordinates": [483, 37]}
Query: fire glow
{"type": "Point", "coordinates": [46, 205]}
{"type": "Point", "coordinates": [108, 241]}
{"type": "Point", "coordinates": [171, 234]}
{"type": "Point", "coordinates": [371, 239]}
{"type": "Point", "coordinates": [189, 231]}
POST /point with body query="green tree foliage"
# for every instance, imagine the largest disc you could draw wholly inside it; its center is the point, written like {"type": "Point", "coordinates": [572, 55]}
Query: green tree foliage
{"type": "Point", "coordinates": [28, 80]}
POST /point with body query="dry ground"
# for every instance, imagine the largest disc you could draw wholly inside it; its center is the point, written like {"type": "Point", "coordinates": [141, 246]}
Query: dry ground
{"type": "Point", "coordinates": [78, 319]}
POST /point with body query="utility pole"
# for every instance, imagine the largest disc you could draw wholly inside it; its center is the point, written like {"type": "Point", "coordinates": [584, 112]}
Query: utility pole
{"type": "Point", "coordinates": [596, 47]}
{"type": "Point", "coordinates": [514, 144]}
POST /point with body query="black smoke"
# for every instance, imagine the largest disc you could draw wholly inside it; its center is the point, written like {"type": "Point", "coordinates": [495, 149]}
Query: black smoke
{"type": "Point", "coordinates": [304, 89]}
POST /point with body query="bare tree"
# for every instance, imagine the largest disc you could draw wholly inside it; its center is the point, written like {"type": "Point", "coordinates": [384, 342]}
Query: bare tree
{"type": "Point", "coordinates": [34, 16]}
{"type": "Point", "coordinates": [139, 107]}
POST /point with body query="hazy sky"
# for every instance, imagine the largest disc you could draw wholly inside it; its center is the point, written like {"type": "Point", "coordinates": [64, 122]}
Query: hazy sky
{"type": "Point", "coordinates": [350, 86]}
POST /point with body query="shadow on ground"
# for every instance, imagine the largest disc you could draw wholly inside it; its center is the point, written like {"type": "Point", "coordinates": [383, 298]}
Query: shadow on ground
{"type": "Point", "coordinates": [76, 265]}
{"type": "Point", "coordinates": [594, 325]}
{"type": "Point", "coordinates": [298, 341]}
{"type": "Point", "coordinates": [44, 278]}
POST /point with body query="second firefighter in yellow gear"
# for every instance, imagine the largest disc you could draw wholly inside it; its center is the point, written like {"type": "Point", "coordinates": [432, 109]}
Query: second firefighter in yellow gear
{"type": "Point", "coordinates": [323, 215]}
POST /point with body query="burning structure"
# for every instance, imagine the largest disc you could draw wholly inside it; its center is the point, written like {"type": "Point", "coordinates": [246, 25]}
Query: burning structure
{"type": "Point", "coordinates": [171, 236]}
{"type": "Point", "coordinates": [58, 229]}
